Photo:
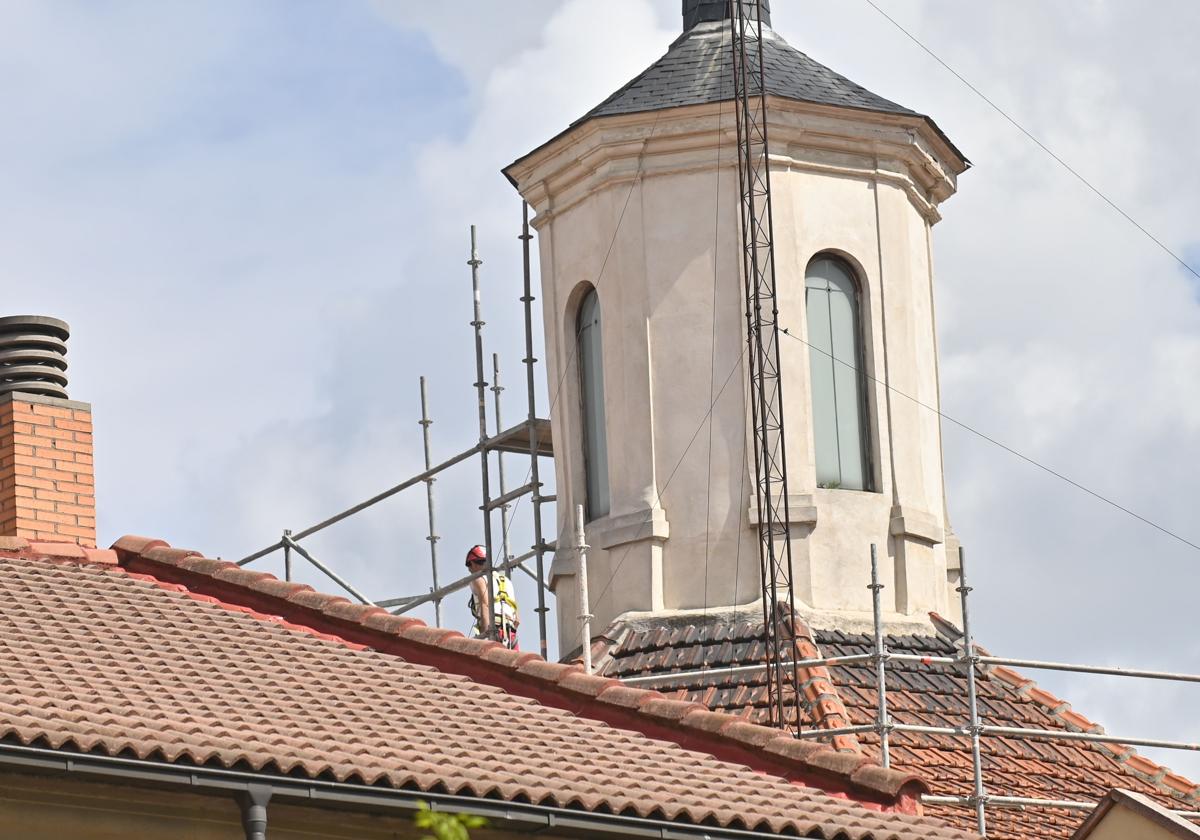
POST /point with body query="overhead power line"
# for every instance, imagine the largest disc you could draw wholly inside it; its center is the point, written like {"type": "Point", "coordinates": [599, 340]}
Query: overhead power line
{"type": "Point", "coordinates": [997, 443]}
{"type": "Point", "coordinates": [1039, 143]}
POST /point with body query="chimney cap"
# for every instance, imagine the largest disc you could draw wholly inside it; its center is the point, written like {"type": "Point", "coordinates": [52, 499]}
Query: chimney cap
{"type": "Point", "coordinates": [33, 355]}
{"type": "Point", "coordinates": [39, 323]}
{"type": "Point", "coordinates": [704, 11]}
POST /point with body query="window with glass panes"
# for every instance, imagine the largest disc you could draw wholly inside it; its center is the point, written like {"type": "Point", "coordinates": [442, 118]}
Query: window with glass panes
{"type": "Point", "coordinates": [591, 389]}
{"type": "Point", "coordinates": [839, 405]}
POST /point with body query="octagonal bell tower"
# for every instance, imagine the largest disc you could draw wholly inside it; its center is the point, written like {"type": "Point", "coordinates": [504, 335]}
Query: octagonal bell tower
{"type": "Point", "coordinates": [637, 211]}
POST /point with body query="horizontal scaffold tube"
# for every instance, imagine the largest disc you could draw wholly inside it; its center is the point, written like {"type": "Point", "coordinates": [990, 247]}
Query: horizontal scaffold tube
{"type": "Point", "coordinates": [1011, 732]}
{"type": "Point", "coordinates": [834, 661]}
{"type": "Point", "coordinates": [413, 601]}
{"type": "Point", "coordinates": [488, 444]}
{"type": "Point", "coordinates": [332, 575]}
{"type": "Point", "coordinates": [744, 669]}
{"type": "Point", "coordinates": [1090, 669]}
{"type": "Point", "coordinates": [1030, 802]}
{"type": "Point", "coordinates": [511, 495]}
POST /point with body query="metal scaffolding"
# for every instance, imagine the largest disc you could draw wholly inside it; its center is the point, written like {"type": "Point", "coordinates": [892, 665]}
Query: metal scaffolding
{"type": "Point", "coordinates": [762, 337]}
{"type": "Point", "coordinates": [530, 438]}
{"type": "Point", "coordinates": [970, 661]}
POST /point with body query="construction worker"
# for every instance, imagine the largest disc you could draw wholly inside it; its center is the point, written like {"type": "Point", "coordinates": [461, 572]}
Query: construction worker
{"type": "Point", "coordinates": [500, 608]}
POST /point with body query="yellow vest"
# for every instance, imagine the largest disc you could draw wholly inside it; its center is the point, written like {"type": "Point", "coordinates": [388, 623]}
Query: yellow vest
{"type": "Point", "coordinates": [504, 603]}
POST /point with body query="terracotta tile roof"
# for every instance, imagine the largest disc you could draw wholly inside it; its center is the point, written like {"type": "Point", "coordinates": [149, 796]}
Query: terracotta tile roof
{"type": "Point", "coordinates": [168, 656]}
{"type": "Point", "coordinates": [933, 695]}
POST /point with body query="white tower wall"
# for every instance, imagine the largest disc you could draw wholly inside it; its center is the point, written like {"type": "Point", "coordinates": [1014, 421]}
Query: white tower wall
{"type": "Point", "coordinates": [644, 208]}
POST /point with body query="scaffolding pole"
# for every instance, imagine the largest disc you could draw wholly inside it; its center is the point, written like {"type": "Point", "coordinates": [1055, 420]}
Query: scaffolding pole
{"type": "Point", "coordinates": [497, 442]}
{"type": "Point", "coordinates": [506, 505]}
{"type": "Point", "coordinates": [923, 659]}
{"type": "Point", "coordinates": [1023, 802]}
{"type": "Point", "coordinates": [287, 555]}
{"type": "Point", "coordinates": [329, 573]}
{"type": "Point", "coordinates": [537, 498]}
{"type": "Point", "coordinates": [433, 538]}
{"type": "Point", "coordinates": [407, 603]}
{"type": "Point", "coordinates": [1103, 670]}
{"type": "Point", "coordinates": [1010, 732]}
{"type": "Point", "coordinates": [979, 795]}
{"type": "Point", "coordinates": [739, 670]}
{"type": "Point", "coordinates": [585, 608]}
{"type": "Point", "coordinates": [882, 723]}
{"type": "Point", "coordinates": [481, 385]}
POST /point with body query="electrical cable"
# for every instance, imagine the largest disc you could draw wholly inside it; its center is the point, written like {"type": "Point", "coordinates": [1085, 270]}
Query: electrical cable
{"type": "Point", "coordinates": [1039, 143]}
{"type": "Point", "coordinates": [997, 443]}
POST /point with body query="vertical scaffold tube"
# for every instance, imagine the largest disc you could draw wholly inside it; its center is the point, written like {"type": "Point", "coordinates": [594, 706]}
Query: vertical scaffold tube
{"type": "Point", "coordinates": [496, 389]}
{"type": "Point", "coordinates": [287, 554]}
{"type": "Point", "coordinates": [481, 391]}
{"type": "Point", "coordinates": [433, 538]}
{"type": "Point", "coordinates": [585, 608]}
{"type": "Point", "coordinates": [536, 499]}
{"type": "Point", "coordinates": [979, 796]}
{"type": "Point", "coordinates": [883, 724]}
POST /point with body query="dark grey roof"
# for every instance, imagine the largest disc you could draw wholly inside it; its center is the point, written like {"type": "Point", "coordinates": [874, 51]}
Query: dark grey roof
{"type": "Point", "coordinates": [698, 68]}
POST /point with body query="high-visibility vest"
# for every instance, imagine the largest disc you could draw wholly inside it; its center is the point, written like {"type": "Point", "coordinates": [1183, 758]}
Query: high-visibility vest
{"type": "Point", "coordinates": [504, 603]}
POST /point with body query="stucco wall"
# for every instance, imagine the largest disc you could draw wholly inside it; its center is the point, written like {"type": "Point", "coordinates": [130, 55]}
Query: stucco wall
{"type": "Point", "coordinates": [1122, 824]}
{"type": "Point", "coordinates": [645, 209]}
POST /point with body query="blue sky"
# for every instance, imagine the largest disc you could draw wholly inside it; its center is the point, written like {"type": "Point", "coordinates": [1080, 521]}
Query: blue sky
{"type": "Point", "coordinates": [255, 215]}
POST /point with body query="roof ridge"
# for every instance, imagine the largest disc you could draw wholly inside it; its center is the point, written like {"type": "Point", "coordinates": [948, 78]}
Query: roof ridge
{"type": "Point", "coordinates": [820, 696]}
{"type": "Point", "coordinates": [1162, 777]}
{"type": "Point", "coordinates": [58, 551]}
{"type": "Point", "coordinates": [691, 725]}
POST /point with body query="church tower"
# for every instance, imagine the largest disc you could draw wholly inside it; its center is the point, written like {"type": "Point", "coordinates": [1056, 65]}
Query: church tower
{"type": "Point", "coordinates": [637, 211]}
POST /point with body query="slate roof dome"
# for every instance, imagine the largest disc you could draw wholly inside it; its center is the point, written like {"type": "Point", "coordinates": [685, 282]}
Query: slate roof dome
{"type": "Point", "coordinates": [698, 69]}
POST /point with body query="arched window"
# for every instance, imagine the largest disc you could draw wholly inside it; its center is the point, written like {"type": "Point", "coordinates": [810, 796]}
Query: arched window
{"type": "Point", "coordinates": [839, 404]}
{"type": "Point", "coordinates": [591, 391]}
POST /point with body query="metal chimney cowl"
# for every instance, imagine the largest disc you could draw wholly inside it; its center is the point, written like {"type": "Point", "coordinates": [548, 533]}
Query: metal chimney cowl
{"type": "Point", "coordinates": [704, 11]}
{"type": "Point", "coordinates": [33, 355]}
{"type": "Point", "coordinates": [47, 478]}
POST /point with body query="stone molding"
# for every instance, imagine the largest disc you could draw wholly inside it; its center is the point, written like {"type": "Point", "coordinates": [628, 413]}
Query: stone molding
{"type": "Point", "coordinates": [42, 399]}
{"type": "Point", "coordinates": [802, 510]}
{"type": "Point", "coordinates": [910, 522]}
{"type": "Point", "coordinates": [608, 151]}
{"type": "Point", "coordinates": [612, 531]}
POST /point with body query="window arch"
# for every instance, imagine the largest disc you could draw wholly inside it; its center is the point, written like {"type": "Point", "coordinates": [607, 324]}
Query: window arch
{"type": "Point", "coordinates": [839, 403]}
{"type": "Point", "coordinates": [589, 350]}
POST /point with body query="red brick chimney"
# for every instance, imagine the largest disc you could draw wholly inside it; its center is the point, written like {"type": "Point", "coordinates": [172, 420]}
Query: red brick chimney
{"type": "Point", "coordinates": [46, 475]}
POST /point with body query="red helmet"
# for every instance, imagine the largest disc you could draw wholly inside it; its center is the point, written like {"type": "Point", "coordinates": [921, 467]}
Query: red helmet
{"type": "Point", "coordinates": [477, 553]}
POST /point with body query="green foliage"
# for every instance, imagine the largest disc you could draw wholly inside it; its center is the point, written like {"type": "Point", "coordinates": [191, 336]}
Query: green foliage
{"type": "Point", "coordinates": [443, 826]}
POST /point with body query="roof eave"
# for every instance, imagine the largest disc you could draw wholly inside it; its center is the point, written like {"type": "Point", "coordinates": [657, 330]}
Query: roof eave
{"type": "Point", "coordinates": [650, 713]}
{"type": "Point", "coordinates": [959, 163]}
{"type": "Point", "coordinates": [517, 816]}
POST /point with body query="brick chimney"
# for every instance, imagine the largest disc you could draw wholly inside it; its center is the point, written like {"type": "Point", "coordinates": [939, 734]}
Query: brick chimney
{"type": "Point", "coordinates": [46, 475]}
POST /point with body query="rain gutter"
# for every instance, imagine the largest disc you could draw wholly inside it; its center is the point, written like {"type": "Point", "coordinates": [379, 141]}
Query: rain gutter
{"type": "Point", "coordinates": [254, 791]}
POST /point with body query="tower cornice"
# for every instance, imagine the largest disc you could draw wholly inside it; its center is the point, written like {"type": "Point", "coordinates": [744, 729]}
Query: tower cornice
{"type": "Point", "coordinates": [608, 151]}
